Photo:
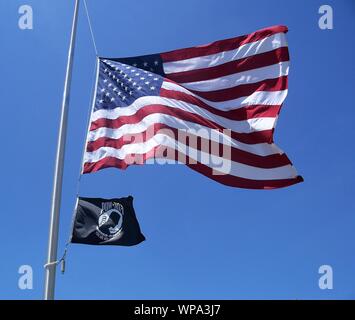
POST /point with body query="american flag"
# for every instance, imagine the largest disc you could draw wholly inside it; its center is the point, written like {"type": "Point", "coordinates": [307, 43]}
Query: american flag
{"type": "Point", "coordinates": [150, 103]}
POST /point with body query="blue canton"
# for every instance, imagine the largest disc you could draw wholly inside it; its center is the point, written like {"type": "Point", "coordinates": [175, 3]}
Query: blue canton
{"type": "Point", "coordinates": [120, 84]}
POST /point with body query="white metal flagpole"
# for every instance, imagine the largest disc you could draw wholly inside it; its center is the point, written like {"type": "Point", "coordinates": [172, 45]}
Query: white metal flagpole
{"type": "Point", "coordinates": [50, 267]}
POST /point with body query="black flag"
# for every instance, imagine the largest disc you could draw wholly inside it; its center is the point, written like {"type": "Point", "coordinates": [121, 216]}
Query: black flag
{"type": "Point", "coordinates": [106, 222]}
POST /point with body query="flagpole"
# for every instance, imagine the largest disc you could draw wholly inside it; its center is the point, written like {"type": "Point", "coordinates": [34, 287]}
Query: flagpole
{"type": "Point", "coordinates": [50, 268]}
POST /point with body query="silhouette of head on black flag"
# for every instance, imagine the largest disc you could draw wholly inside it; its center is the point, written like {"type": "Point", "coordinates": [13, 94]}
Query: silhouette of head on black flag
{"type": "Point", "coordinates": [111, 221]}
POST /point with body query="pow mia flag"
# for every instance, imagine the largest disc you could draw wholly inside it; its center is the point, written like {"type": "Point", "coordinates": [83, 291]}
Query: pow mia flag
{"type": "Point", "coordinates": [106, 222]}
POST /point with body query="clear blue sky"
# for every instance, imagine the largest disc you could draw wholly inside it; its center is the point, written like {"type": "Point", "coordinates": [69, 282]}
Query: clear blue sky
{"type": "Point", "coordinates": [204, 240]}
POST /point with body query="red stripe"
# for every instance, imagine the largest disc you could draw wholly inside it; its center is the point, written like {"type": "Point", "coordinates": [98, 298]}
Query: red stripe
{"type": "Point", "coordinates": [221, 45]}
{"type": "Point", "coordinates": [229, 180]}
{"type": "Point", "coordinates": [251, 138]}
{"type": "Point", "coordinates": [244, 90]}
{"type": "Point", "coordinates": [253, 62]}
{"type": "Point", "coordinates": [244, 113]}
{"type": "Point", "coordinates": [237, 155]}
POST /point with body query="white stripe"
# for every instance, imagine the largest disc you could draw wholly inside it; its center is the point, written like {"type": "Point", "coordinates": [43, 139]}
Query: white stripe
{"type": "Point", "coordinates": [257, 97]}
{"type": "Point", "coordinates": [240, 78]}
{"type": "Point", "coordinates": [148, 100]}
{"type": "Point", "coordinates": [267, 44]}
{"type": "Point", "coordinates": [246, 126]}
{"type": "Point", "coordinates": [261, 149]}
{"type": "Point", "coordinates": [234, 168]}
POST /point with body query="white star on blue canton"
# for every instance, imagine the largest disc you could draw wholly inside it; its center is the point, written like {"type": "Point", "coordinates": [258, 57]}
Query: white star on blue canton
{"type": "Point", "coordinates": [115, 81]}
